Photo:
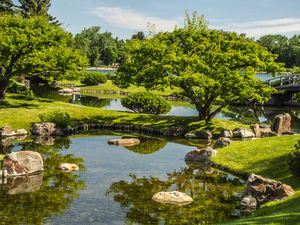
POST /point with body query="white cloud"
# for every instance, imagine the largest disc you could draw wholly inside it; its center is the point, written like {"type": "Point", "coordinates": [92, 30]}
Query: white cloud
{"type": "Point", "coordinates": [129, 19]}
{"type": "Point", "coordinates": [263, 27]}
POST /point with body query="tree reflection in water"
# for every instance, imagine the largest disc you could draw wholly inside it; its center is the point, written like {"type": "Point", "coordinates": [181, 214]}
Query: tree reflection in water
{"type": "Point", "coordinates": [51, 196]}
{"type": "Point", "coordinates": [214, 193]}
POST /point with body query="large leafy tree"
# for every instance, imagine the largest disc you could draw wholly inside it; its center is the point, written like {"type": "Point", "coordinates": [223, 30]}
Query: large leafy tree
{"type": "Point", "coordinates": [213, 68]}
{"type": "Point", "coordinates": [35, 48]}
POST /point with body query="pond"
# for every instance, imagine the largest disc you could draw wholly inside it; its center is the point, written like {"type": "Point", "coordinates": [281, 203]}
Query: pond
{"type": "Point", "coordinates": [115, 184]}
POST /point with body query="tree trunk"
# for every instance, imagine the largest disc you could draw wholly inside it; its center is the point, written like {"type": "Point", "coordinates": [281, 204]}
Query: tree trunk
{"type": "Point", "coordinates": [3, 86]}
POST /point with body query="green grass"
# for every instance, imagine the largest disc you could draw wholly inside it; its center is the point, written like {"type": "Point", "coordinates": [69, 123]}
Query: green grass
{"type": "Point", "coordinates": [21, 112]}
{"type": "Point", "coordinates": [266, 157]}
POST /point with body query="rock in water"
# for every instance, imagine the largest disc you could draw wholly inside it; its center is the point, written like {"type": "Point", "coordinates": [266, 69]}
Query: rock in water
{"type": "Point", "coordinates": [69, 167]}
{"type": "Point", "coordinates": [282, 124]}
{"type": "Point", "coordinates": [172, 197]}
{"type": "Point", "coordinates": [200, 155]}
{"type": "Point", "coordinates": [46, 129]}
{"type": "Point", "coordinates": [200, 134]}
{"type": "Point", "coordinates": [124, 142]}
{"type": "Point", "coordinates": [260, 190]}
{"type": "Point", "coordinates": [22, 163]}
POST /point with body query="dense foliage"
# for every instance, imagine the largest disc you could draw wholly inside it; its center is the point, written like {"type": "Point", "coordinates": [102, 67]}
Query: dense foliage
{"type": "Point", "coordinates": [288, 49]}
{"type": "Point", "coordinates": [93, 78]}
{"type": "Point", "coordinates": [294, 160]}
{"type": "Point", "coordinates": [6, 6]}
{"type": "Point", "coordinates": [211, 67]}
{"type": "Point", "coordinates": [19, 88]}
{"type": "Point", "coordinates": [100, 48]}
{"type": "Point", "coordinates": [146, 102]}
{"type": "Point", "coordinates": [61, 119]}
{"type": "Point", "coordinates": [35, 48]}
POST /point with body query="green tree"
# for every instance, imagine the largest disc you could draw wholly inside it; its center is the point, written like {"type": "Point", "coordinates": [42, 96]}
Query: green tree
{"type": "Point", "coordinates": [6, 6]}
{"type": "Point", "coordinates": [211, 67]}
{"type": "Point", "coordinates": [31, 8]}
{"type": "Point", "coordinates": [35, 48]}
{"type": "Point", "coordinates": [139, 35]}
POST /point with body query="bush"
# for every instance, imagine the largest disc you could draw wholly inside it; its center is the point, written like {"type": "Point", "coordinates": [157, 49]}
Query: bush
{"type": "Point", "coordinates": [61, 119]}
{"type": "Point", "coordinates": [18, 88]}
{"type": "Point", "coordinates": [294, 160]}
{"type": "Point", "coordinates": [146, 102]}
{"type": "Point", "coordinates": [93, 78]}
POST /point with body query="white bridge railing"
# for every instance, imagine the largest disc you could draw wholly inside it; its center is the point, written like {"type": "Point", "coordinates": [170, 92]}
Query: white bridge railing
{"type": "Point", "coordinates": [292, 79]}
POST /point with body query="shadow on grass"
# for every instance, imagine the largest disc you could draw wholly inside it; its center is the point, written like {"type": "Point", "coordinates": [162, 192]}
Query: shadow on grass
{"type": "Point", "coordinates": [22, 101]}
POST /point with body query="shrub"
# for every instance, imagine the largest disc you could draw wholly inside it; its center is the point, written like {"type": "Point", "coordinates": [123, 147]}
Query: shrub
{"type": "Point", "coordinates": [18, 88]}
{"type": "Point", "coordinates": [61, 119]}
{"type": "Point", "coordinates": [294, 160]}
{"type": "Point", "coordinates": [93, 78]}
{"type": "Point", "coordinates": [146, 102]}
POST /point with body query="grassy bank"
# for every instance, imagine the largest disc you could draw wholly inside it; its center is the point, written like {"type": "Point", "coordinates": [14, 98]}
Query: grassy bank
{"type": "Point", "coordinates": [21, 112]}
{"type": "Point", "coordinates": [266, 157]}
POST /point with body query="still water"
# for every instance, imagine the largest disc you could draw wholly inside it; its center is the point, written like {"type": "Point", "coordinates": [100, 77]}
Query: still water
{"type": "Point", "coordinates": [115, 185]}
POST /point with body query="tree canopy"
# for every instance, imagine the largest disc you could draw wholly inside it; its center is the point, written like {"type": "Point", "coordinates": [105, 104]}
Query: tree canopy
{"type": "Point", "coordinates": [6, 6]}
{"type": "Point", "coordinates": [35, 48]}
{"type": "Point", "coordinates": [211, 67]}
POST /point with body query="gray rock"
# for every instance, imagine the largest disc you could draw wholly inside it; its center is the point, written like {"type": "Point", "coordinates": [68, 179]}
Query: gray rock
{"type": "Point", "coordinates": [200, 134]}
{"type": "Point", "coordinates": [221, 143]}
{"type": "Point", "coordinates": [69, 167]}
{"type": "Point", "coordinates": [22, 163]}
{"type": "Point", "coordinates": [256, 129]}
{"type": "Point", "coordinates": [66, 90]}
{"type": "Point", "coordinates": [226, 134]}
{"type": "Point", "coordinates": [46, 129]}
{"type": "Point", "coordinates": [282, 124]}
{"type": "Point", "coordinates": [21, 132]}
{"type": "Point", "coordinates": [243, 133]}
{"type": "Point", "coordinates": [175, 132]}
{"type": "Point", "coordinates": [172, 197]}
{"type": "Point", "coordinates": [200, 155]}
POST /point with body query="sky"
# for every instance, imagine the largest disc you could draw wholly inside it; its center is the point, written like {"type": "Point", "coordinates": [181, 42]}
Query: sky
{"type": "Point", "coordinates": [124, 18]}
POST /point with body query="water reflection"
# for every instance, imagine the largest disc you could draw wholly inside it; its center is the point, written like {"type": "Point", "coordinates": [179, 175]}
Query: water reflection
{"type": "Point", "coordinates": [148, 146]}
{"type": "Point", "coordinates": [212, 191]}
{"type": "Point", "coordinates": [29, 200]}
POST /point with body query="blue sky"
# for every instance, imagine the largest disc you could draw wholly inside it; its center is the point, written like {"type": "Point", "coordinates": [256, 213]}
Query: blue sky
{"type": "Point", "coordinates": [123, 18]}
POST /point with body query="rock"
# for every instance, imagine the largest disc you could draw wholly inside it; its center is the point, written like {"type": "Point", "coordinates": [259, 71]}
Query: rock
{"type": "Point", "coordinates": [175, 132]}
{"type": "Point", "coordinates": [21, 132]}
{"type": "Point", "coordinates": [221, 143]}
{"type": "Point", "coordinates": [66, 90]}
{"type": "Point", "coordinates": [243, 133]}
{"type": "Point", "coordinates": [6, 131]}
{"type": "Point", "coordinates": [76, 89]}
{"type": "Point", "coordinates": [200, 155]}
{"type": "Point", "coordinates": [124, 142]}
{"type": "Point", "coordinates": [256, 129]}
{"type": "Point", "coordinates": [226, 134]}
{"type": "Point", "coordinates": [69, 167]}
{"type": "Point", "coordinates": [172, 197]}
{"type": "Point", "coordinates": [22, 163]}
{"type": "Point", "coordinates": [46, 129]}
{"type": "Point", "coordinates": [260, 190]}
{"type": "Point", "coordinates": [268, 134]}
{"type": "Point", "coordinates": [23, 184]}
{"type": "Point", "coordinates": [282, 124]}
{"type": "Point", "coordinates": [201, 134]}
{"type": "Point", "coordinates": [44, 140]}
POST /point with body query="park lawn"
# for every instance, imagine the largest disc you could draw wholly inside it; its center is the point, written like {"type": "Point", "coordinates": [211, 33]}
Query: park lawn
{"type": "Point", "coordinates": [20, 112]}
{"type": "Point", "coordinates": [266, 157]}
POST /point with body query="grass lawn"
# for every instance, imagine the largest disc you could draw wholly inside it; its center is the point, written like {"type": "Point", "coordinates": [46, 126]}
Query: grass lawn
{"type": "Point", "coordinates": [20, 112]}
{"type": "Point", "coordinates": [266, 157]}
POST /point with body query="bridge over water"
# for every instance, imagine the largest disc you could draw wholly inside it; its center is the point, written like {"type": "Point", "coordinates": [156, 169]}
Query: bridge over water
{"type": "Point", "coordinates": [287, 85]}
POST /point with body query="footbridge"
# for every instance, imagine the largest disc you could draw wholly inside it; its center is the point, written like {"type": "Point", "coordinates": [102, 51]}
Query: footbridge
{"type": "Point", "coordinates": [287, 85]}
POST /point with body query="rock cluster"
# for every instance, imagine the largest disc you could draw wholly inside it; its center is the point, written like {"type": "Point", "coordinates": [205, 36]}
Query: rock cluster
{"type": "Point", "coordinates": [46, 129]}
{"type": "Point", "coordinates": [172, 197]}
{"type": "Point", "coordinates": [260, 190]}
{"type": "Point", "coordinates": [69, 90]}
{"type": "Point", "coordinates": [7, 131]}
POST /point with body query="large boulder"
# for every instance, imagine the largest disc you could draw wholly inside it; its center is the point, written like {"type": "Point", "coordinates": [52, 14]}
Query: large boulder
{"type": "Point", "coordinates": [22, 163]}
{"type": "Point", "coordinates": [263, 130]}
{"type": "Point", "coordinates": [200, 134]}
{"type": "Point", "coordinates": [172, 197]}
{"type": "Point", "coordinates": [124, 142]}
{"type": "Point", "coordinates": [260, 190]}
{"type": "Point", "coordinates": [221, 143]}
{"type": "Point", "coordinates": [243, 133]}
{"type": "Point", "coordinates": [46, 129]}
{"type": "Point", "coordinates": [282, 124]}
{"type": "Point", "coordinates": [175, 132]}
{"type": "Point", "coordinates": [200, 155]}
